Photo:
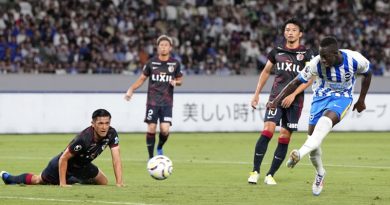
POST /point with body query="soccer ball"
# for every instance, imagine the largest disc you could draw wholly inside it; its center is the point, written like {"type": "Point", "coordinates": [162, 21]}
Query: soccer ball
{"type": "Point", "coordinates": [160, 167]}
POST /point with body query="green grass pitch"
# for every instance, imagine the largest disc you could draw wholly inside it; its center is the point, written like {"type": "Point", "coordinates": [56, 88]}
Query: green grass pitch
{"type": "Point", "coordinates": [209, 168]}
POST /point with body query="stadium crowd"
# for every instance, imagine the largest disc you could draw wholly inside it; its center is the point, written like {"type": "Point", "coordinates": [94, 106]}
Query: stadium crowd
{"type": "Point", "coordinates": [211, 37]}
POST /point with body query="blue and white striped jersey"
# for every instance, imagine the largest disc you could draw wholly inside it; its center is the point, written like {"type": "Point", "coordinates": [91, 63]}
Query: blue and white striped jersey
{"type": "Point", "coordinates": [337, 80]}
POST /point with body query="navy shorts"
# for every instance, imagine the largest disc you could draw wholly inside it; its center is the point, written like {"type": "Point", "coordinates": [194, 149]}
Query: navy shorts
{"type": "Point", "coordinates": [286, 117]}
{"type": "Point", "coordinates": [158, 113]}
{"type": "Point", "coordinates": [75, 174]}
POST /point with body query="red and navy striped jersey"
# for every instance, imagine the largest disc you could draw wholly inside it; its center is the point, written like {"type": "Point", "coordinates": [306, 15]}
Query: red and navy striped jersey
{"type": "Point", "coordinates": [160, 73]}
{"type": "Point", "coordinates": [287, 65]}
{"type": "Point", "coordinates": [85, 149]}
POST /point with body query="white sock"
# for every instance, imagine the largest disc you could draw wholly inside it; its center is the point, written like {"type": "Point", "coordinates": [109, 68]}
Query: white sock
{"type": "Point", "coordinates": [323, 127]}
{"type": "Point", "coordinates": [315, 158]}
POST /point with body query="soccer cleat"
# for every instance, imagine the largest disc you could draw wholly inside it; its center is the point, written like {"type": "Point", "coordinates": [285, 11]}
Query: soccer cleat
{"type": "Point", "coordinates": [269, 180]}
{"type": "Point", "coordinates": [4, 177]}
{"type": "Point", "coordinates": [318, 184]}
{"type": "Point", "coordinates": [253, 177]}
{"type": "Point", "coordinates": [160, 151]}
{"type": "Point", "coordinates": [293, 159]}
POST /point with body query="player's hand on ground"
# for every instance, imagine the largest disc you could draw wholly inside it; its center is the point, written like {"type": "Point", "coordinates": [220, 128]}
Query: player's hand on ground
{"type": "Point", "coordinates": [359, 106]}
{"type": "Point", "coordinates": [120, 185]}
{"type": "Point", "coordinates": [287, 101]}
{"type": "Point", "coordinates": [65, 185]}
{"type": "Point", "coordinates": [128, 95]}
{"type": "Point", "coordinates": [255, 101]}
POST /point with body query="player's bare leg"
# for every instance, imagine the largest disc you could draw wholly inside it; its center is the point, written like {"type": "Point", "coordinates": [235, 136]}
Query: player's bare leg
{"type": "Point", "coordinates": [100, 179]}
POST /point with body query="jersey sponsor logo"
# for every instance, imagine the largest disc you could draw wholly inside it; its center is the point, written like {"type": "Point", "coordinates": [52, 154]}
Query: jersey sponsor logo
{"type": "Point", "coordinates": [291, 67]}
{"type": "Point", "coordinates": [77, 148]}
{"type": "Point", "coordinates": [154, 67]}
{"type": "Point", "coordinates": [162, 77]}
{"type": "Point", "coordinates": [279, 54]}
{"type": "Point", "coordinates": [156, 63]}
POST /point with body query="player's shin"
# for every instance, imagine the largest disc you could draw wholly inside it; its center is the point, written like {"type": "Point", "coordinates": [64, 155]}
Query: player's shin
{"type": "Point", "coordinates": [19, 179]}
{"type": "Point", "coordinates": [150, 141]}
{"type": "Point", "coordinates": [261, 149]}
{"type": "Point", "coordinates": [315, 158]}
{"type": "Point", "coordinates": [162, 138]}
{"type": "Point", "coordinates": [323, 127]}
{"type": "Point", "coordinates": [279, 155]}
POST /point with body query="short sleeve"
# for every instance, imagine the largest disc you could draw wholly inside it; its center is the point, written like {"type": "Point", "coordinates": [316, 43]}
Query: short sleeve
{"type": "Point", "coordinates": [178, 72]}
{"type": "Point", "coordinates": [114, 141]}
{"type": "Point", "coordinates": [271, 56]}
{"type": "Point", "coordinates": [146, 69]}
{"type": "Point", "coordinates": [76, 146]}
{"type": "Point", "coordinates": [309, 70]}
{"type": "Point", "coordinates": [363, 64]}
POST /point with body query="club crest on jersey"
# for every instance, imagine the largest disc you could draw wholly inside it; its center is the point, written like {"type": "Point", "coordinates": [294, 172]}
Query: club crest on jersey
{"type": "Point", "coordinates": [300, 56]}
{"type": "Point", "coordinates": [171, 68]}
{"type": "Point", "coordinates": [77, 148]}
{"type": "Point", "coordinates": [347, 76]}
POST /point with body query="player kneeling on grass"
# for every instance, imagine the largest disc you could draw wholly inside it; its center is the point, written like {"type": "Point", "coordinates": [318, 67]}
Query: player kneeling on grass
{"type": "Point", "coordinates": [73, 165]}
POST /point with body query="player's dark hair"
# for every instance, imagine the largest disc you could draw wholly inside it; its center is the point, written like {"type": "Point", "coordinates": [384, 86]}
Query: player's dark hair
{"type": "Point", "coordinates": [328, 40]}
{"type": "Point", "coordinates": [100, 113]}
{"type": "Point", "coordinates": [294, 21]}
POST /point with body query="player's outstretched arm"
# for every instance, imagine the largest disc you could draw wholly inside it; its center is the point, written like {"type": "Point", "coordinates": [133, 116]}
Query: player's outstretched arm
{"type": "Point", "coordinates": [290, 87]}
{"type": "Point", "coordinates": [360, 105]}
{"type": "Point", "coordinates": [287, 101]}
{"type": "Point", "coordinates": [264, 75]}
{"type": "Point", "coordinates": [135, 86]}
{"type": "Point", "coordinates": [117, 165]}
{"type": "Point", "coordinates": [63, 166]}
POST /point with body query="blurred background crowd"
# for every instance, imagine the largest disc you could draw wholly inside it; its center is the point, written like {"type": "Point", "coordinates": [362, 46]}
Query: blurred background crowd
{"type": "Point", "coordinates": [211, 37]}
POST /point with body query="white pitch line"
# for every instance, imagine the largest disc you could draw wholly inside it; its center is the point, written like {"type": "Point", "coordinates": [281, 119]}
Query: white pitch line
{"type": "Point", "coordinates": [204, 162]}
{"type": "Point", "coordinates": [71, 200]}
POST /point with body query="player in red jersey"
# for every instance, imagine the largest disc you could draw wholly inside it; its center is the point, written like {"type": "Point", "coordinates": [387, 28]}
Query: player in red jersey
{"type": "Point", "coordinates": [74, 164]}
{"type": "Point", "coordinates": [285, 61]}
{"type": "Point", "coordinates": [164, 74]}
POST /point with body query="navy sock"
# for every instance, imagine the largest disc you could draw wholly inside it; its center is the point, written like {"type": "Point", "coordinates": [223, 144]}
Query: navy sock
{"type": "Point", "coordinates": [162, 140]}
{"type": "Point", "coordinates": [19, 179]}
{"type": "Point", "coordinates": [150, 141]}
{"type": "Point", "coordinates": [279, 155]}
{"type": "Point", "coordinates": [261, 149]}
